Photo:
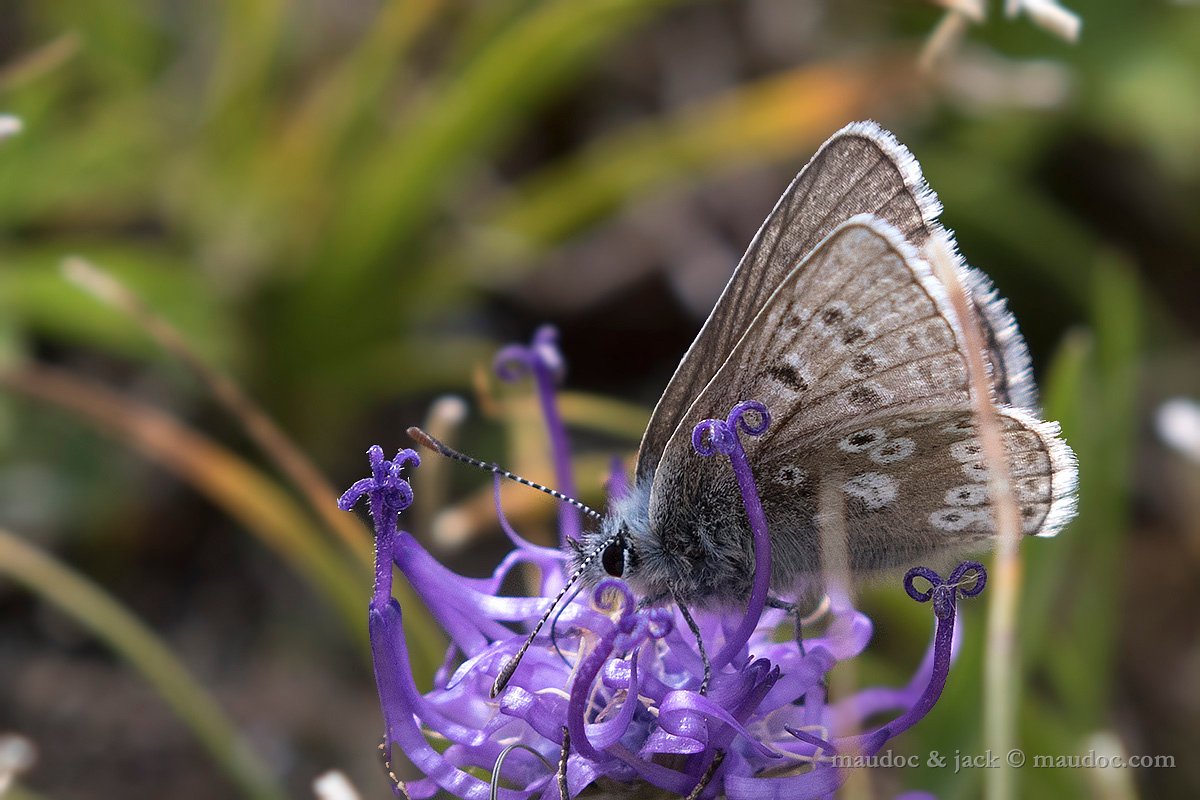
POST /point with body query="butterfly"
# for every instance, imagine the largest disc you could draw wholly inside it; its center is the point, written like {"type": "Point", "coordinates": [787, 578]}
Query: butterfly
{"type": "Point", "coordinates": [837, 324]}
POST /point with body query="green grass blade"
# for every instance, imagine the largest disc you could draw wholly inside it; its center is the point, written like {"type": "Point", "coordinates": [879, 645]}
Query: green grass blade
{"type": "Point", "coordinates": [1084, 672]}
{"type": "Point", "coordinates": [397, 187]}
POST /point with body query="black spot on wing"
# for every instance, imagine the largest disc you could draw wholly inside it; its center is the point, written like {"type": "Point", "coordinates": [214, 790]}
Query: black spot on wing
{"type": "Point", "coordinates": [788, 375]}
{"type": "Point", "coordinates": [865, 396]}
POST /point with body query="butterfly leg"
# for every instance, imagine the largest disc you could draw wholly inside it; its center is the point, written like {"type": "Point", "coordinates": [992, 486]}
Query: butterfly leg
{"type": "Point", "coordinates": [793, 611]}
{"type": "Point", "coordinates": [653, 600]}
{"type": "Point", "coordinates": [563, 792]}
{"type": "Point", "coordinates": [706, 778]}
{"type": "Point", "coordinates": [691, 623]}
{"type": "Point", "coordinates": [646, 602]}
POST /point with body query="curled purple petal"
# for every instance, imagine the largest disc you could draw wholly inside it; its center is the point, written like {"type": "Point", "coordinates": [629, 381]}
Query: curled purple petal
{"type": "Point", "coordinates": [815, 741]}
{"type": "Point", "coordinates": [389, 494]}
{"type": "Point", "coordinates": [970, 577]}
{"type": "Point", "coordinates": [603, 734]}
{"type": "Point", "coordinates": [513, 362]}
{"type": "Point", "coordinates": [710, 437]}
{"type": "Point", "coordinates": [543, 360]}
{"type": "Point", "coordinates": [352, 495]}
{"type": "Point", "coordinates": [686, 714]}
{"type": "Point", "coordinates": [548, 560]}
{"type": "Point", "coordinates": [630, 630]}
{"type": "Point", "coordinates": [944, 596]}
{"type": "Point", "coordinates": [929, 575]}
{"type": "Point", "coordinates": [755, 425]}
{"type": "Point", "coordinates": [722, 436]}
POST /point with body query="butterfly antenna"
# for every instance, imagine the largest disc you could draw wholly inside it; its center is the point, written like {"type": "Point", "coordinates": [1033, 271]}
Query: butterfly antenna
{"type": "Point", "coordinates": [510, 666]}
{"type": "Point", "coordinates": [425, 440]}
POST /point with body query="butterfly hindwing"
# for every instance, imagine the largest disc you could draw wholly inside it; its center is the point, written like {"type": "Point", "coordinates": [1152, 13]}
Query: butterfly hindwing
{"type": "Point", "coordinates": [911, 485]}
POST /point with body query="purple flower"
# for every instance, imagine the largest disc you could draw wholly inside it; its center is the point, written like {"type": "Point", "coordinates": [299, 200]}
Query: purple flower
{"type": "Point", "coordinates": [613, 693]}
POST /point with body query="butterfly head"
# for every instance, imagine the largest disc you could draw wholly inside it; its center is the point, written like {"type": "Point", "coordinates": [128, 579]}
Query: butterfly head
{"type": "Point", "coordinates": [618, 558]}
{"type": "Point", "coordinates": [609, 552]}
{"type": "Point", "coordinates": [616, 549]}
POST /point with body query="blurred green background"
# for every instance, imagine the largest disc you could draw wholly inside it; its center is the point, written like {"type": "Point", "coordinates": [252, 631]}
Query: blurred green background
{"type": "Point", "coordinates": [346, 206]}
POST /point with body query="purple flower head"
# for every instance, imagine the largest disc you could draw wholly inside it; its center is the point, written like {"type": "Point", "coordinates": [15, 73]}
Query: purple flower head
{"type": "Point", "coordinates": [612, 692]}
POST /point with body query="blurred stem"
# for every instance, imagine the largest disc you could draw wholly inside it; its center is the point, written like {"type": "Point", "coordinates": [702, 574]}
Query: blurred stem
{"type": "Point", "coordinates": [1000, 670]}
{"type": "Point", "coordinates": [96, 610]}
{"type": "Point", "coordinates": [261, 429]}
{"type": "Point", "coordinates": [595, 413]}
{"type": "Point", "coordinates": [945, 38]}
{"type": "Point", "coordinates": [1083, 674]}
{"type": "Point", "coordinates": [604, 415]}
{"type": "Point", "coordinates": [45, 59]}
{"type": "Point", "coordinates": [242, 68]}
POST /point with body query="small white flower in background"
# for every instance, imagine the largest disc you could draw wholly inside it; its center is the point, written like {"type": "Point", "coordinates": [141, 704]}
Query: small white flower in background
{"type": "Point", "coordinates": [9, 125]}
{"type": "Point", "coordinates": [1108, 782]}
{"type": "Point", "coordinates": [1048, 14]}
{"type": "Point", "coordinates": [974, 10]}
{"type": "Point", "coordinates": [334, 785]}
{"type": "Point", "coordinates": [17, 754]}
{"type": "Point", "coordinates": [1178, 423]}
{"type": "Point", "coordinates": [961, 14]}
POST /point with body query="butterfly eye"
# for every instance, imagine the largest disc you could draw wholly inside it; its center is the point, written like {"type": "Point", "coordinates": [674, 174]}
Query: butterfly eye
{"type": "Point", "coordinates": [613, 558]}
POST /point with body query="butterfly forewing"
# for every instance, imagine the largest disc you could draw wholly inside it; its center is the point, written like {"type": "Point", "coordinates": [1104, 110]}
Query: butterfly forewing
{"type": "Point", "coordinates": [860, 169]}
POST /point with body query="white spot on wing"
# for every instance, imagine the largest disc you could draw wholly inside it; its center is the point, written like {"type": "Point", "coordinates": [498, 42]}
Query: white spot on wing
{"type": "Point", "coordinates": [969, 494]}
{"type": "Point", "coordinates": [966, 451]}
{"type": "Point", "coordinates": [893, 450]}
{"type": "Point", "coordinates": [975, 470]}
{"type": "Point", "coordinates": [791, 476]}
{"type": "Point", "coordinates": [957, 519]}
{"type": "Point", "coordinates": [875, 489]}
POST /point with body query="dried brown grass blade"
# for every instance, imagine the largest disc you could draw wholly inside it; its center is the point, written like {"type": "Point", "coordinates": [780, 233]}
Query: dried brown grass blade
{"type": "Point", "coordinates": [1004, 580]}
